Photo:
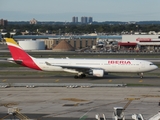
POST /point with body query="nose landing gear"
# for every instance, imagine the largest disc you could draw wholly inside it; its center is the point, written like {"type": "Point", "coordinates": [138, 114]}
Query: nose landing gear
{"type": "Point", "coordinates": [141, 75]}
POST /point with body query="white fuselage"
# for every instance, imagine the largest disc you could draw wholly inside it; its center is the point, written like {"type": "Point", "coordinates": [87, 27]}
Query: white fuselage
{"type": "Point", "coordinates": [108, 65]}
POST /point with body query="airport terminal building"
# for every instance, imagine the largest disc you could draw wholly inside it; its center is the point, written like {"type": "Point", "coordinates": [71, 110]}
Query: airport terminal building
{"type": "Point", "coordinates": [140, 43]}
{"type": "Point", "coordinates": [124, 43]}
{"type": "Point", "coordinates": [78, 42]}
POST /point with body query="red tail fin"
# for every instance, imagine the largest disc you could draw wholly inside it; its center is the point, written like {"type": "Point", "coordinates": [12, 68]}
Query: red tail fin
{"type": "Point", "coordinates": [18, 54]}
{"type": "Point", "coordinates": [16, 51]}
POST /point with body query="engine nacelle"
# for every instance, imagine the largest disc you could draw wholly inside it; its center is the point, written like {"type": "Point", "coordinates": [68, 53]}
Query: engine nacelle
{"type": "Point", "coordinates": [96, 72]}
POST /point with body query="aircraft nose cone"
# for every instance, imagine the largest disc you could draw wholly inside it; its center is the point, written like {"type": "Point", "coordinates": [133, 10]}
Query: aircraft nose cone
{"type": "Point", "coordinates": [155, 67]}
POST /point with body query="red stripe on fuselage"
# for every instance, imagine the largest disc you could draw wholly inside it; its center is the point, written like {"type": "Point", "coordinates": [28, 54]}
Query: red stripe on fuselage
{"type": "Point", "coordinates": [19, 54]}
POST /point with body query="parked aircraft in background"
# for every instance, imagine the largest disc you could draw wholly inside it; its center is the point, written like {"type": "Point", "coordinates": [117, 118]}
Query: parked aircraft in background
{"type": "Point", "coordinates": [95, 67]}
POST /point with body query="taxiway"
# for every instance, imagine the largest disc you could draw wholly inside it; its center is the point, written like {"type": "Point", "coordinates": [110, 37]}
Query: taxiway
{"type": "Point", "coordinates": [61, 103]}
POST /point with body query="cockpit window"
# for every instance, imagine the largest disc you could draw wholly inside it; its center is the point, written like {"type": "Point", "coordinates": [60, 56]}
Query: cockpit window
{"type": "Point", "coordinates": [151, 64]}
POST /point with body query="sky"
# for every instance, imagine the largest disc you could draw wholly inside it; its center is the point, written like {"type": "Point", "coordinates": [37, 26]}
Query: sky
{"type": "Point", "coordinates": [64, 10]}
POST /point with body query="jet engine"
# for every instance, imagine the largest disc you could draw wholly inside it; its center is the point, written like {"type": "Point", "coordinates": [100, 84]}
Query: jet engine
{"type": "Point", "coordinates": [96, 72]}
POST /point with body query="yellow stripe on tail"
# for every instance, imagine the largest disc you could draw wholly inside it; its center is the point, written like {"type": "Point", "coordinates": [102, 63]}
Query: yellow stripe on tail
{"type": "Point", "coordinates": [11, 40]}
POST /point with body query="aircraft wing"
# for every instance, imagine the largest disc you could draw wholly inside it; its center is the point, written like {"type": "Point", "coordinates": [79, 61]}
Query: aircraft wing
{"type": "Point", "coordinates": [76, 68]}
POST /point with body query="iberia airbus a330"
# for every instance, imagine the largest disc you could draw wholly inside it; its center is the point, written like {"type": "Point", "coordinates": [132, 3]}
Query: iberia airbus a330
{"type": "Point", "coordinates": [95, 67]}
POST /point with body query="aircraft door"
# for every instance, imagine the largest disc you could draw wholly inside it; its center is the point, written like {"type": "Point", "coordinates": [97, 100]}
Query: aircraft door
{"type": "Point", "coordinates": [142, 65]}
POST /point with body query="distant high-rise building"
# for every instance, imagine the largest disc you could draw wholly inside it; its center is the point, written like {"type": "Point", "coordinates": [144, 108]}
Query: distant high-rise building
{"type": "Point", "coordinates": [86, 19]}
{"type": "Point", "coordinates": [81, 19]}
{"type": "Point", "coordinates": [3, 22]}
{"type": "Point", "coordinates": [90, 19]}
{"type": "Point", "coordinates": [33, 21]}
{"type": "Point", "coordinates": [75, 19]}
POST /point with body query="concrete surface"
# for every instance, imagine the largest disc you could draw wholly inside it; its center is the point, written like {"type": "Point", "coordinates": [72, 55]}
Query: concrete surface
{"type": "Point", "coordinates": [62, 102]}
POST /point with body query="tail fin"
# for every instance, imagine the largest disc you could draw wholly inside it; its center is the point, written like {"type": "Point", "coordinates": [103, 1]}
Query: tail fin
{"type": "Point", "coordinates": [16, 51]}
{"type": "Point", "coordinates": [19, 55]}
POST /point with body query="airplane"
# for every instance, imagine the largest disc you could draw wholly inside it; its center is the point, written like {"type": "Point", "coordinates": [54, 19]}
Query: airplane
{"type": "Point", "coordinates": [82, 67]}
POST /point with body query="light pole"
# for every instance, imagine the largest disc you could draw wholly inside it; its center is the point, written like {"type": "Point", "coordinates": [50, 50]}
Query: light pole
{"type": "Point", "coordinates": [137, 28]}
{"type": "Point", "coordinates": [59, 32]}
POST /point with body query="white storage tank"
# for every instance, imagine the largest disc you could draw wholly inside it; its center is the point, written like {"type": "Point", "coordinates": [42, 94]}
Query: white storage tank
{"type": "Point", "coordinates": [32, 44]}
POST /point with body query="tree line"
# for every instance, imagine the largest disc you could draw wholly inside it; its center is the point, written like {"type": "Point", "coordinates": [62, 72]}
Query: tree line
{"type": "Point", "coordinates": [79, 29]}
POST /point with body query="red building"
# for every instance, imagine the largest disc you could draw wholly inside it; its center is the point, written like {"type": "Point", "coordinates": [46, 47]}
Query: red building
{"type": "Point", "coordinates": [3, 22]}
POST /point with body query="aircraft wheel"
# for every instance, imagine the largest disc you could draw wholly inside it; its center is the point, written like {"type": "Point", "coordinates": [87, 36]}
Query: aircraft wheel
{"type": "Point", "coordinates": [141, 75]}
{"type": "Point", "coordinates": [76, 76]}
{"type": "Point", "coordinates": [82, 76]}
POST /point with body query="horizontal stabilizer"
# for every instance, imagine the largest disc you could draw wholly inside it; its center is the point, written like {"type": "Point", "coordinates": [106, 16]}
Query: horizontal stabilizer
{"type": "Point", "coordinates": [18, 61]}
{"type": "Point", "coordinates": [15, 61]}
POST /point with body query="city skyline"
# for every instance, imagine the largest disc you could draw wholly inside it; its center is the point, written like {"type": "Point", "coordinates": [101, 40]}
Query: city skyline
{"type": "Point", "coordinates": [60, 10]}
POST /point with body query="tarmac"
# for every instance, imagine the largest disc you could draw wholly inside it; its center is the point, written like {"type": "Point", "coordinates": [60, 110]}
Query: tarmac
{"type": "Point", "coordinates": [61, 97]}
{"type": "Point", "coordinates": [62, 102]}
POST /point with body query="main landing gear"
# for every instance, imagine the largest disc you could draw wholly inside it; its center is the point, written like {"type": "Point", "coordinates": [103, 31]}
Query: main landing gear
{"type": "Point", "coordinates": [80, 76]}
